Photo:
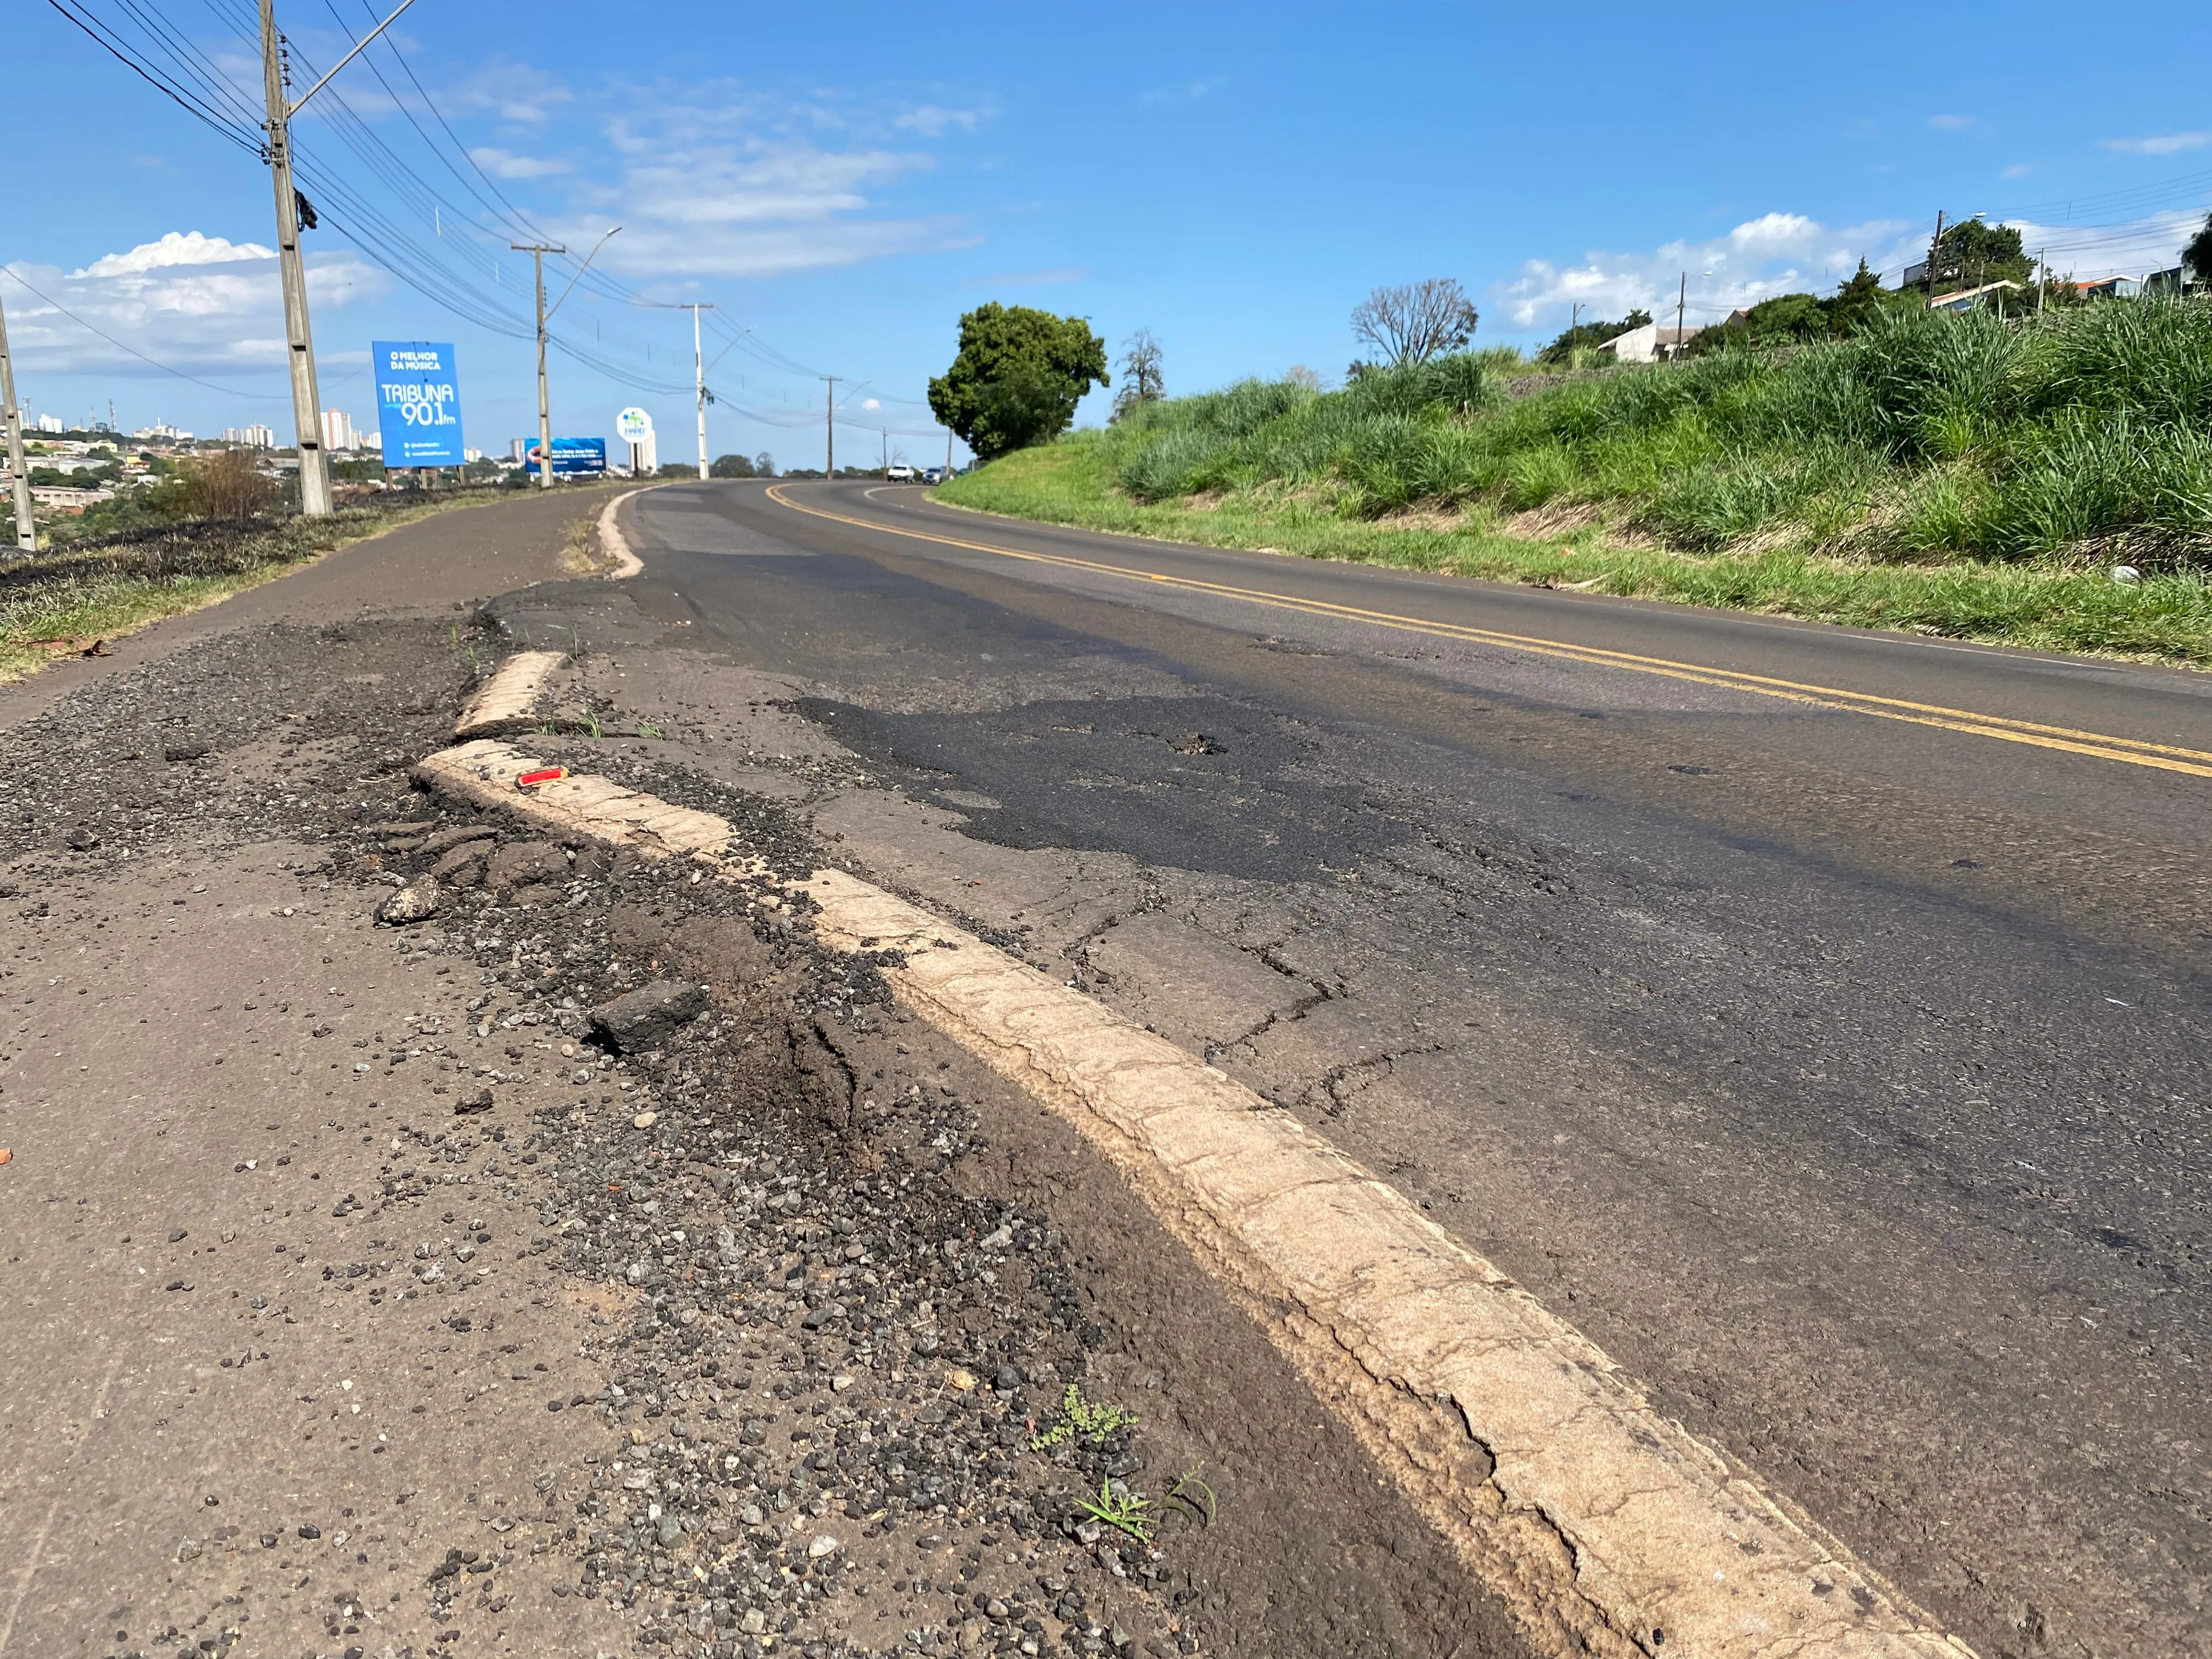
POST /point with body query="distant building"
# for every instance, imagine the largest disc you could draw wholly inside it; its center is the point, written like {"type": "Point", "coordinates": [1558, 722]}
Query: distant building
{"type": "Point", "coordinates": [63, 498]}
{"type": "Point", "coordinates": [369, 441]}
{"type": "Point", "coordinates": [471, 455]}
{"type": "Point", "coordinates": [250, 437]}
{"type": "Point", "coordinates": [51, 423]}
{"type": "Point", "coordinates": [337, 430]}
{"type": "Point", "coordinates": [1648, 344]}
{"type": "Point", "coordinates": [514, 446]}
{"type": "Point", "coordinates": [1966, 298]}
{"type": "Point", "coordinates": [161, 432]}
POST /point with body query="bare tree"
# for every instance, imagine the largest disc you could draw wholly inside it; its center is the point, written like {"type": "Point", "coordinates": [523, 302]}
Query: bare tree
{"type": "Point", "coordinates": [1141, 380]}
{"type": "Point", "coordinates": [1416, 321]}
{"type": "Point", "coordinates": [1299, 374]}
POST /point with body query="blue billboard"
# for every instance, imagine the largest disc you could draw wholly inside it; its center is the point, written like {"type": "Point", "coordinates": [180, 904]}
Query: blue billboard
{"type": "Point", "coordinates": [573, 458]}
{"type": "Point", "coordinates": [418, 403]}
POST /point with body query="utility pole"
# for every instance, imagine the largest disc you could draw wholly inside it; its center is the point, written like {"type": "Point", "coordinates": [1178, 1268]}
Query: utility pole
{"type": "Point", "coordinates": [948, 455]}
{"type": "Point", "coordinates": [299, 337]}
{"type": "Point", "coordinates": [886, 434]}
{"type": "Point", "coordinates": [1681, 308]}
{"type": "Point", "coordinates": [699, 379]}
{"type": "Point", "coordinates": [830, 411]}
{"type": "Point", "coordinates": [1934, 251]}
{"type": "Point", "coordinates": [306, 401]}
{"type": "Point", "coordinates": [27, 534]}
{"type": "Point", "coordinates": [2043, 278]}
{"type": "Point", "coordinates": [537, 251]}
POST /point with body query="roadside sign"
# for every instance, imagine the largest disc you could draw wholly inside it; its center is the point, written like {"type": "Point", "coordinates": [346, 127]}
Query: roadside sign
{"type": "Point", "coordinates": [418, 403]}
{"type": "Point", "coordinates": [573, 458]}
{"type": "Point", "coordinates": [634, 426]}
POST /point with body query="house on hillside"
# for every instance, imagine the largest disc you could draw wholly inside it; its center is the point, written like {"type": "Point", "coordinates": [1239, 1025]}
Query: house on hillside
{"type": "Point", "coordinates": [1649, 344]}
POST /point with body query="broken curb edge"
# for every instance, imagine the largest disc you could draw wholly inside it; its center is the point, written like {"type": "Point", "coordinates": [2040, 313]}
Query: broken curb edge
{"type": "Point", "coordinates": [1606, 1527]}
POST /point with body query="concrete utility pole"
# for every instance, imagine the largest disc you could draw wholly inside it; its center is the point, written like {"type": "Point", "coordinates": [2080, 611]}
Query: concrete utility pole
{"type": "Point", "coordinates": [537, 251]}
{"type": "Point", "coordinates": [27, 534]}
{"type": "Point", "coordinates": [306, 401]}
{"type": "Point", "coordinates": [830, 411]}
{"type": "Point", "coordinates": [699, 378]}
{"type": "Point", "coordinates": [1934, 251]}
{"type": "Point", "coordinates": [886, 434]}
{"type": "Point", "coordinates": [1682, 309]}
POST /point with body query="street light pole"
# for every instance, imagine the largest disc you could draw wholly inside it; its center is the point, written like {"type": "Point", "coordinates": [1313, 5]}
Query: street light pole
{"type": "Point", "coordinates": [298, 339]}
{"type": "Point", "coordinates": [699, 379]}
{"type": "Point", "coordinates": [537, 251]}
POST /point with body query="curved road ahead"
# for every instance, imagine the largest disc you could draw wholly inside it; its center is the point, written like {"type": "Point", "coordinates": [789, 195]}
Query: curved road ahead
{"type": "Point", "coordinates": [1816, 1019]}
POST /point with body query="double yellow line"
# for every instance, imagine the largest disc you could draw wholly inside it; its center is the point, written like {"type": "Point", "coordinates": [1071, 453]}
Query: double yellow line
{"type": "Point", "coordinates": [2098, 746]}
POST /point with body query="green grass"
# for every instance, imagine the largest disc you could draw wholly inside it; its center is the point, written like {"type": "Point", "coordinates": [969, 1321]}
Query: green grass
{"type": "Point", "coordinates": [1956, 476]}
{"type": "Point", "coordinates": [105, 588]}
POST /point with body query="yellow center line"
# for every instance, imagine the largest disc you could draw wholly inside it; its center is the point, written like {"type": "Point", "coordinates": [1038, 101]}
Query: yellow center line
{"type": "Point", "coordinates": [2098, 746]}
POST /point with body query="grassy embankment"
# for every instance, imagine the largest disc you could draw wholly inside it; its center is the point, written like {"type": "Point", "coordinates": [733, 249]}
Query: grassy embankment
{"type": "Point", "coordinates": [1955, 476]}
{"type": "Point", "coordinates": [64, 597]}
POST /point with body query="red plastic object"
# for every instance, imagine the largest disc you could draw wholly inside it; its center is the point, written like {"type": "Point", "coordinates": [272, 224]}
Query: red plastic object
{"type": "Point", "coordinates": [543, 774]}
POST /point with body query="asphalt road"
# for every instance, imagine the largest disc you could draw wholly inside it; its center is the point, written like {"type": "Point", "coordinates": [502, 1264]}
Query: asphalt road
{"type": "Point", "coordinates": [1816, 1019]}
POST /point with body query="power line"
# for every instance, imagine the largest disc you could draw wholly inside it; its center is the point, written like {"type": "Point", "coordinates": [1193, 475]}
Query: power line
{"type": "Point", "coordinates": [199, 86]}
{"type": "Point", "coordinates": [185, 101]}
{"type": "Point", "coordinates": [166, 368]}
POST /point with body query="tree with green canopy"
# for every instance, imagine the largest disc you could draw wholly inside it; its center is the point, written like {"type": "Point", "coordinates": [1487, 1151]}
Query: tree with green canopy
{"type": "Point", "coordinates": [1018, 377]}
{"type": "Point", "coordinates": [1973, 253]}
{"type": "Point", "coordinates": [2197, 256]}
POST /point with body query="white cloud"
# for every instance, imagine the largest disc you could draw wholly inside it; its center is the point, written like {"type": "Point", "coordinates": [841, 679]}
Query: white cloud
{"type": "Point", "coordinates": [1774, 254]}
{"type": "Point", "coordinates": [2169, 143]}
{"type": "Point", "coordinates": [1950, 123]}
{"type": "Point", "coordinates": [717, 179]}
{"type": "Point", "coordinates": [741, 188]}
{"type": "Point", "coordinates": [507, 164]}
{"type": "Point", "coordinates": [2019, 169]}
{"type": "Point", "coordinates": [175, 249]}
{"type": "Point", "coordinates": [871, 403]}
{"type": "Point", "coordinates": [513, 92]}
{"type": "Point", "coordinates": [935, 121]}
{"type": "Point", "coordinates": [189, 301]}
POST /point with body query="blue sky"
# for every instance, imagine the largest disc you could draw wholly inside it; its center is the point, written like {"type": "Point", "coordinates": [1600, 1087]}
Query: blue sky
{"type": "Point", "coordinates": [1234, 178]}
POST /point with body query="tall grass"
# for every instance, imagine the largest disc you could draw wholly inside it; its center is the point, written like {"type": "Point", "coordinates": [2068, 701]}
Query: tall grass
{"type": "Point", "coordinates": [1930, 437]}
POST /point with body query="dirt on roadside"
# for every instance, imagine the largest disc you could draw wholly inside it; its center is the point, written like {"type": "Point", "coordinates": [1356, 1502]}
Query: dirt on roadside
{"type": "Point", "coordinates": [379, 1297]}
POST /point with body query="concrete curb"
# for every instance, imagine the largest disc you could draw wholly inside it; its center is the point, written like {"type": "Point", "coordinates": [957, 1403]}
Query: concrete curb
{"type": "Point", "coordinates": [484, 773]}
{"type": "Point", "coordinates": [509, 698]}
{"type": "Point", "coordinates": [1607, 1527]}
{"type": "Point", "coordinates": [612, 542]}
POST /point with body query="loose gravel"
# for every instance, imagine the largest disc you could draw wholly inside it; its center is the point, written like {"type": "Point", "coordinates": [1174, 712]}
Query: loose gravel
{"type": "Point", "coordinates": [846, 1405]}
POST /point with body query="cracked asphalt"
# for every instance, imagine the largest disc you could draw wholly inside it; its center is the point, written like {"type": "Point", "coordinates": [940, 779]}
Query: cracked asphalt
{"type": "Point", "coordinates": [1843, 1078]}
{"type": "Point", "coordinates": [384, 1291]}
